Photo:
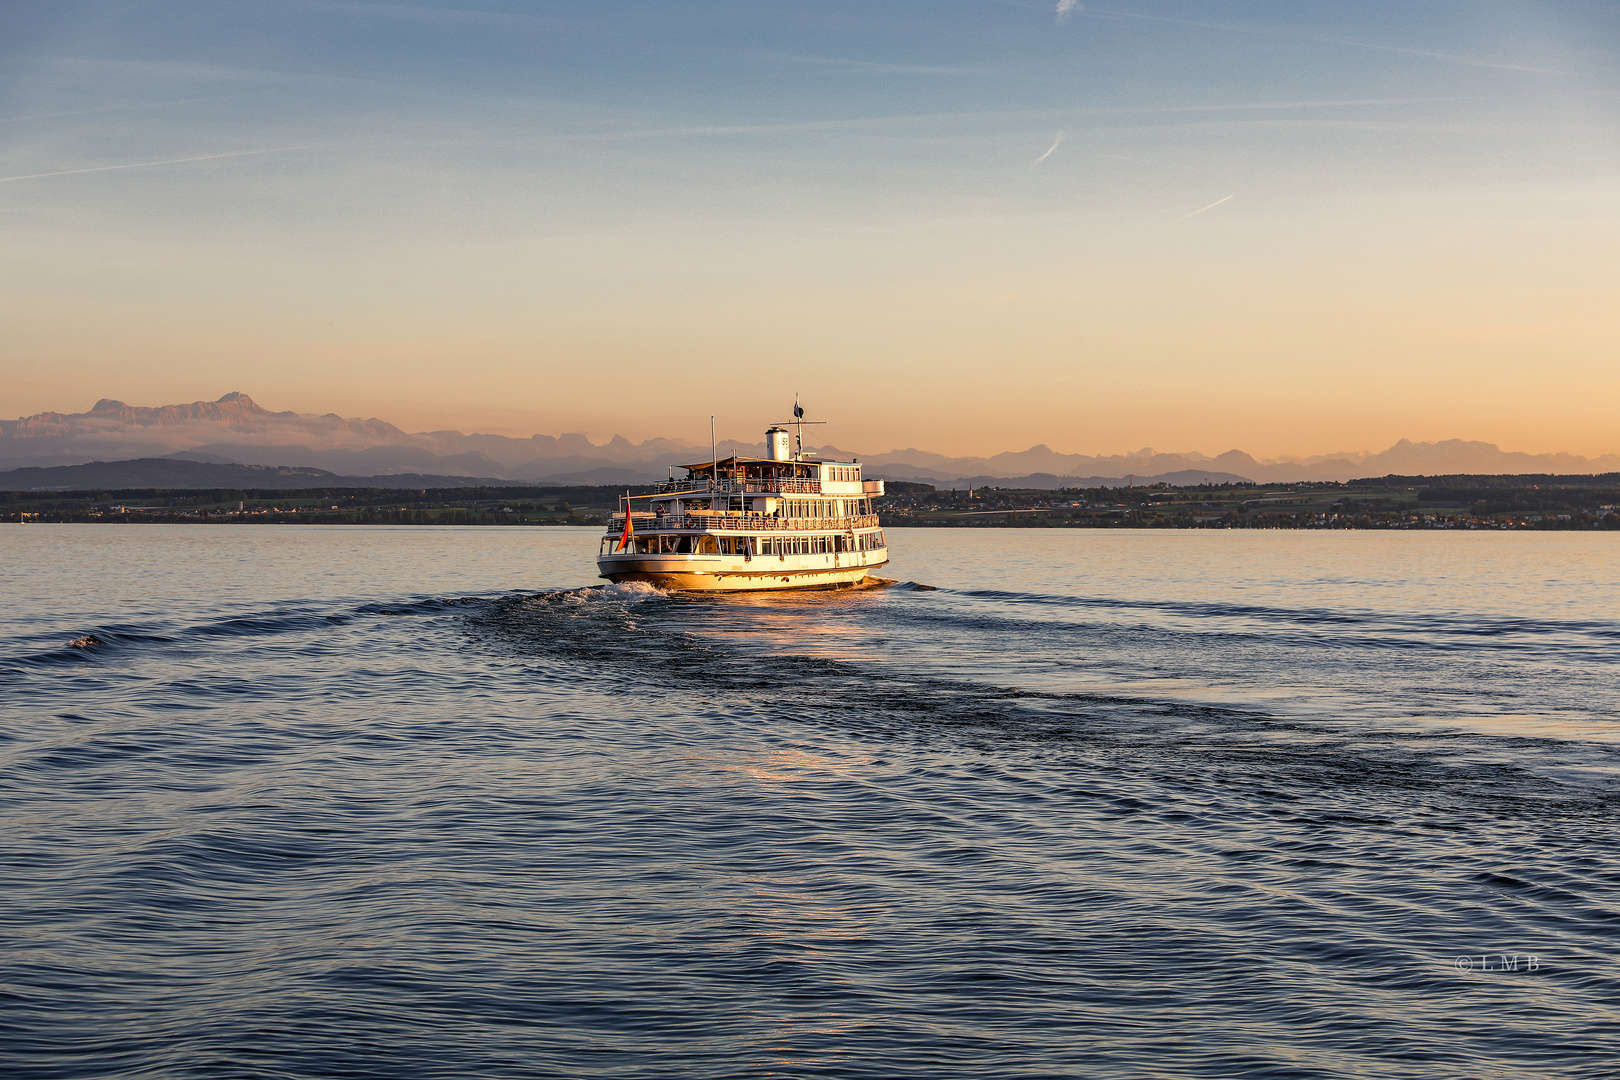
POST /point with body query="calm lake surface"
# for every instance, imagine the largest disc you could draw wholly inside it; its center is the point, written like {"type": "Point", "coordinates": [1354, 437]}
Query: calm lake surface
{"type": "Point", "coordinates": [402, 803]}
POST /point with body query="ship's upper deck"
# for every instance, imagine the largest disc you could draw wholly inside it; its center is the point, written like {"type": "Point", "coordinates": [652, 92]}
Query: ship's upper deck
{"type": "Point", "coordinates": [766, 476]}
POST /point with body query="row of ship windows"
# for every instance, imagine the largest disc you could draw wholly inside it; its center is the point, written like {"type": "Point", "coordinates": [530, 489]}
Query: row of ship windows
{"type": "Point", "coordinates": [816, 545]}
{"type": "Point", "coordinates": [842, 474]}
{"type": "Point", "coordinates": [740, 545]}
{"type": "Point", "coordinates": [810, 508]}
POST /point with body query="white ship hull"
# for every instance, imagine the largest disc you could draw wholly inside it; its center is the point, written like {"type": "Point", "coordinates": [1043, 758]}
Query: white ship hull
{"type": "Point", "coordinates": [708, 573]}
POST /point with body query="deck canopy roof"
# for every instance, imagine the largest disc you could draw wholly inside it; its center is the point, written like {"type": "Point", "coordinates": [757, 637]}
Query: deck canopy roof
{"type": "Point", "coordinates": [753, 466]}
{"type": "Point", "coordinates": [735, 460]}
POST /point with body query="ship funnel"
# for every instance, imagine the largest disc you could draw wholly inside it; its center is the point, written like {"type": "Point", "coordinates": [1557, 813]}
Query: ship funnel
{"type": "Point", "coordinates": [777, 446]}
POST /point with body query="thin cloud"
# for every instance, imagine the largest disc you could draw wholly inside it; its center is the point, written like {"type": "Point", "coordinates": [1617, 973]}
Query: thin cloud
{"type": "Point", "coordinates": [120, 107]}
{"type": "Point", "coordinates": [150, 164]}
{"type": "Point", "coordinates": [1200, 210]}
{"type": "Point", "coordinates": [1049, 150]}
{"type": "Point", "coordinates": [431, 13]}
{"type": "Point", "coordinates": [1300, 35]}
{"type": "Point", "coordinates": [1078, 113]}
{"type": "Point", "coordinates": [871, 67]}
{"type": "Point", "coordinates": [1064, 7]}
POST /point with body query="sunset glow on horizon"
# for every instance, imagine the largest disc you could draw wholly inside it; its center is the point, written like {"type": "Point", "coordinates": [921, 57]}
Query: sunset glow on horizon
{"type": "Point", "coordinates": [968, 227]}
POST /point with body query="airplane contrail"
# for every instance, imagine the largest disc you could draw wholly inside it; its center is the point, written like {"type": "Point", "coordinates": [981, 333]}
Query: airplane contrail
{"type": "Point", "coordinates": [1200, 210]}
{"type": "Point", "coordinates": [149, 164]}
{"type": "Point", "coordinates": [1049, 150]}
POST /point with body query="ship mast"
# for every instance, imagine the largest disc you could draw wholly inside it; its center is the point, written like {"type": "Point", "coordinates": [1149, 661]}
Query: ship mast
{"type": "Point", "coordinates": [798, 423]}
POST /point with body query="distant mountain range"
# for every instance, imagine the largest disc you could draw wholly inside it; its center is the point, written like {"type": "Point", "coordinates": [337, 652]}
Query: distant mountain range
{"type": "Point", "coordinates": [236, 431]}
{"type": "Point", "coordinates": [180, 473]}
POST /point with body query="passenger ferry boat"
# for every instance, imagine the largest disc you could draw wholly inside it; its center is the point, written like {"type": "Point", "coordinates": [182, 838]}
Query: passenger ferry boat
{"type": "Point", "coordinates": [736, 524]}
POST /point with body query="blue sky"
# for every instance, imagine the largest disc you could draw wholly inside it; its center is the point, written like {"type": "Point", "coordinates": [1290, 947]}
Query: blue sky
{"type": "Point", "coordinates": [971, 225]}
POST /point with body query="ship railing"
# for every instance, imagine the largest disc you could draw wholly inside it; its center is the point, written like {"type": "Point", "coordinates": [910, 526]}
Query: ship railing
{"type": "Point", "coordinates": [748, 486]}
{"type": "Point", "coordinates": [743, 523]}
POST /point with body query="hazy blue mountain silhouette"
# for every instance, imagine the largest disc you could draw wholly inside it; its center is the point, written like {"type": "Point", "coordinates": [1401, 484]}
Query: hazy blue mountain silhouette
{"type": "Point", "coordinates": [236, 430]}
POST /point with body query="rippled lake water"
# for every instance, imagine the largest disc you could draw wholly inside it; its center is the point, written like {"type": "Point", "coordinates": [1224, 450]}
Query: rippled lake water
{"type": "Point", "coordinates": [402, 803]}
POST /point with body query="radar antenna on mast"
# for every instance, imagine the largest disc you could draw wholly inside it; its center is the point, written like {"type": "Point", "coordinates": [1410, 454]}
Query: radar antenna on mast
{"type": "Point", "coordinates": [798, 423]}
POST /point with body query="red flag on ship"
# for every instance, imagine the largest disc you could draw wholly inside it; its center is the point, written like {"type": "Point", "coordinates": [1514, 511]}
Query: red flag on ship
{"type": "Point", "coordinates": [624, 541]}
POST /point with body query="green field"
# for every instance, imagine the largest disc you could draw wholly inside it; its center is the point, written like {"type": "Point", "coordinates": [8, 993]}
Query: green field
{"type": "Point", "coordinates": [323, 506]}
{"type": "Point", "coordinates": [1451, 502]}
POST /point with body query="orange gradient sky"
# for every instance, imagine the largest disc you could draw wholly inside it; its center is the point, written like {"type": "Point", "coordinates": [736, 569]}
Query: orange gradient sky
{"type": "Point", "coordinates": [967, 227]}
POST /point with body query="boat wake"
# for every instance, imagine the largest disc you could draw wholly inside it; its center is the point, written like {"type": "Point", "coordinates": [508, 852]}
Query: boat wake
{"type": "Point", "coordinates": [623, 592]}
